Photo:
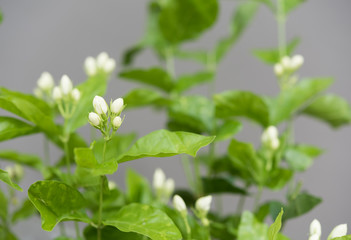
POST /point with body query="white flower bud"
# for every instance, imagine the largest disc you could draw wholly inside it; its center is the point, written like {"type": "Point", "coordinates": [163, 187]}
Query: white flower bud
{"type": "Point", "coordinates": [169, 187]}
{"type": "Point", "coordinates": [179, 204]}
{"type": "Point", "coordinates": [101, 59]}
{"type": "Point", "coordinates": [286, 62]}
{"type": "Point", "coordinates": [270, 137]}
{"type": "Point", "coordinates": [100, 105]}
{"type": "Point", "coordinates": [57, 94]}
{"type": "Point", "coordinates": [46, 81]}
{"type": "Point", "coordinates": [117, 122]}
{"type": "Point", "coordinates": [112, 185]}
{"type": "Point", "coordinates": [297, 61]}
{"type": "Point", "coordinates": [90, 66]}
{"type": "Point", "coordinates": [314, 237]}
{"type": "Point", "coordinates": [315, 228]}
{"type": "Point", "coordinates": [117, 106]}
{"type": "Point", "coordinates": [66, 85]}
{"type": "Point", "coordinates": [203, 204]}
{"type": "Point", "coordinates": [338, 231]}
{"type": "Point", "coordinates": [75, 94]}
{"type": "Point", "coordinates": [278, 69]}
{"type": "Point", "coordinates": [94, 119]}
{"type": "Point", "coordinates": [109, 65]}
{"type": "Point", "coordinates": [10, 171]}
{"type": "Point", "coordinates": [159, 179]}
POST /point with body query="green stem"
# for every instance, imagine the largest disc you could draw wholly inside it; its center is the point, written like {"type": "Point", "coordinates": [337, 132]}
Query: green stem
{"type": "Point", "coordinates": [281, 19]}
{"type": "Point", "coordinates": [198, 179]}
{"type": "Point", "coordinates": [241, 204]}
{"type": "Point", "coordinates": [187, 226]}
{"type": "Point", "coordinates": [258, 197]}
{"type": "Point", "coordinates": [65, 144]}
{"type": "Point", "coordinates": [76, 225]}
{"type": "Point", "coordinates": [170, 62]}
{"type": "Point", "coordinates": [101, 195]}
{"type": "Point", "coordinates": [187, 171]}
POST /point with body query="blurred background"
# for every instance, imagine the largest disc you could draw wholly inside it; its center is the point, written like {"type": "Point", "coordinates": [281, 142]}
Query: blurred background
{"type": "Point", "coordinates": [57, 36]}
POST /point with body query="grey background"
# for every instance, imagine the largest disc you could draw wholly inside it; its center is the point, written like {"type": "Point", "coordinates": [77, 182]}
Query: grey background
{"type": "Point", "coordinates": [57, 36]}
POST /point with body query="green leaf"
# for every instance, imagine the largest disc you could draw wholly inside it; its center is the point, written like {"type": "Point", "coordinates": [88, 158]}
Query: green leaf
{"type": "Point", "coordinates": [4, 206]}
{"type": "Point", "coordinates": [243, 104]}
{"type": "Point", "coordinates": [243, 15]}
{"type": "Point", "coordinates": [243, 157]}
{"type": "Point", "coordinates": [130, 54]}
{"type": "Point", "coordinates": [138, 188]}
{"type": "Point", "coordinates": [1, 16]}
{"type": "Point", "coordinates": [111, 233]}
{"type": "Point", "coordinates": [155, 77]}
{"type": "Point", "coordinates": [293, 99]}
{"type": "Point", "coordinates": [331, 109]}
{"type": "Point", "coordinates": [215, 185]}
{"type": "Point", "coordinates": [163, 143]}
{"type": "Point", "coordinates": [290, 5]}
{"type": "Point", "coordinates": [201, 56]}
{"type": "Point", "coordinates": [4, 176]}
{"type": "Point", "coordinates": [29, 108]}
{"type": "Point", "coordinates": [300, 157]}
{"type": "Point", "coordinates": [95, 85]}
{"type": "Point", "coordinates": [6, 234]}
{"type": "Point", "coordinates": [272, 56]}
{"type": "Point", "coordinates": [26, 210]}
{"type": "Point", "coordinates": [145, 220]}
{"type": "Point", "coordinates": [56, 201]}
{"type": "Point", "coordinates": [346, 237]}
{"type": "Point", "coordinates": [227, 130]}
{"type": "Point", "coordinates": [300, 204]}
{"type": "Point", "coordinates": [278, 178]}
{"type": "Point", "coordinates": [251, 229]}
{"type": "Point", "coordinates": [274, 229]}
{"type": "Point", "coordinates": [141, 97]}
{"type": "Point", "coordinates": [185, 82]}
{"type": "Point", "coordinates": [22, 158]}
{"type": "Point", "coordinates": [12, 128]}
{"type": "Point", "coordinates": [182, 20]}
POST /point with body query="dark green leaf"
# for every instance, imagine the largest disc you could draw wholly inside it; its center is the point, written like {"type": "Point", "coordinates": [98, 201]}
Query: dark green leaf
{"type": "Point", "coordinates": [163, 143]}
{"type": "Point", "coordinates": [1, 16]}
{"type": "Point", "coordinates": [331, 109]}
{"type": "Point", "coordinates": [111, 233]}
{"type": "Point", "coordinates": [215, 185]}
{"type": "Point", "coordinates": [56, 201]}
{"type": "Point", "coordinates": [4, 206]}
{"type": "Point", "coordinates": [300, 204]}
{"type": "Point", "coordinates": [89, 89]}
{"type": "Point", "coordinates": [141, 97]}
{"type": "Point", "coordinates": [22, 158]}
{"type": "Point", "coordinates": [200, 56]}
{"type": "Point", "coordinates": [243, 104]}
{"type": "Point", "coordinates": [6, 234]}
{"type": "Point", "coordinates": [182, 20]}
{"type": "Point", "coordinates": [278, 178]}
{"type": "Point", "coordinates": [12, 128]}
{"type": "Point", "coordinates": [138, 188]}
{"type": "Point", "coordinates": [26, 210]}
{"type": "Point", "coordinates": [243, 15]}
{"type": "Point", "coordinates": [291, 100]}
{"type": "Point", "coordinates": [155, 77]}
{"type": "Point", "coordinates": [186, 82]}
{"type": "Point", "coordinates": [130, 54]}
{"type": "Point", "coordinates": [4, 176]}
{"type": "Point", "coordinates": [227, 130]}
{"type": "Point", "coordinates": [274, 229]}
{"type": "Point", "coordinates": [145, 220]}
{"type": "Point", "coordinates": [272, 56]}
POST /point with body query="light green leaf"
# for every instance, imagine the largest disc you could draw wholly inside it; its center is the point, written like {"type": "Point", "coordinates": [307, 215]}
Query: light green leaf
{"type": "Point", "coordinates": [26, 210]}
{"type": "Point", "coordinates": [93, 86]}
{"type": "Point", "coordinates": [12, 128]}
{"type": "Point", "coordinates": [292, 100]}
{"type": "Point", "coordinates": [141, 97]}
{"type": "Point", "coordinates": [155, 77]}
{"type": "Point", "coordinates": [185, 82]}
{"type": "Point", "coordinates": [138, 188]}
{"type": "Point", "coordinates": [243, 15]}
{"type": "Point", "coordinates": [300, 157]}
{"type": "Point", "coordinates": [215, 185]}
{"type": "Point", "coordinates": [278, 178]}
{"type": "Point", "coordinates": [163, 143]}
{"type": "Point", "coordinates": [4, 176]}
{"type": "Point", "coordinates": [272, 56]}
{"type": "Point", "coordinates": [346, 237]}
{"type": "Point", "coordinates": [1, 16]}
{"type": "Point", "coordinates": [274, 229]}
{"type": "Point", "coordinates": [4, 206]}
{"type": "Point", "coordinates": [56, 201]}
{"type": "Point", "coordinates": [111, 233]}
{"type": "Point", "coordinates": [290, 5]}
{"type": "Point", "coordinates": [227, 130]}
{"type": "Point", "coordinates": [22, 158]}
{"type": "Point", "coordinates": [251, 229]}
{"type": "Point", "coordinates": [145, 220]}
{"type": "Point", "coordinates": [182, 20]}
{"type": "Point", "coordinates": [6, 234]}
{"type": "Point", "coordinates": [331, 109]}
{"type": "Point", "coordinates": [243, 104]}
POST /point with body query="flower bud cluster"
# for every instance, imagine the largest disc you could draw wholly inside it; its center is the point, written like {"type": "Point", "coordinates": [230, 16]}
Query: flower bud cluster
{"type": "Point", "coordinates": [202, 206]}
{"type": "Point", "coordinates": [102, 63]}
{"type": "Point", "coordinates": [270, 138]}
{"type": "Point", "coordinates": [163, 187]}
{"type": "Point", "coordinates": [106, 117]}
{"type": "Point", "coordinates": [286, 68]}
{"type": "Point", "coordinates": [316, 231]}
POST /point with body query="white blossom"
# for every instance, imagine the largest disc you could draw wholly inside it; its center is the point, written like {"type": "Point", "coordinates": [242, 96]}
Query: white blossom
{"type": "Point", "coordinates": [57, 94]}
{"type": "Point", "coordinates": [169, 186]}
{"type": "Point", "coordinates": [278, 69]}
{"type": "Point", "coordinates": [297, 61]}
{"type": "Point", "coordinates": [46, 81]}
{"type": "Point", "coordinates": [315, 228]}
{"type": "Point", "coordinates": [90, 66]}
{"type": "Point", "coordinates": [75, 94]}
{"type": "Point", "coordinates": [94, 119]}
{"type": "Point", "coordinates": [203, 204]}
{"type": "Point", "coordinates": [338, 231]}
{"type": "Point", "coordinates": [100, 105]}
{"type": "Point", "coordinates": [66, 85]}
{"type": "Point", "coordinates": [159, 179]}
{"type": "Point", "coordinates": [102, 59]}
{"type": "Point", "coordinates": [117, 106]}
{"type": "Point", "coordinates": [270, 137]}
{"type": "Point", "coordinates": [179, 204]}
{"type": "Point", "coordinates": [117, 122]}
{"type": "Point", "coordinates": [109, 65]}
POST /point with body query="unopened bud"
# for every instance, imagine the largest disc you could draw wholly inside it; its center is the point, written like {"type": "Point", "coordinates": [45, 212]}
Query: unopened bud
{"type": "Point", "coordinates": [270, 137]}
{"type": "Point", "coordinates": [46, 81]}
{"type": "Point", "coordinates": [286, 62]}
{"type": "Point", "coordinates": [203, 204]}
{"type": "Point", "coordinates": [117, 122]}
{"type": "Point", "coordinates": [75, 94]}
{"type": "Point", "coordinates": [57, 94]}
{"type": "Point", "coordinates": [179, 204]}
{"type": "Point", "coordinates": [159, 179]}
{"type": "Point", "coordinates": [66, 85]}
{"type": "Point", "coordinates": [109, 65]}
{"type": "Point", "coordinates": [297, 61]}
{"type": "Point", "coordinates": [94, 119]}
{"type": "Point", "coordinates": [278, 69]}
{"type": "Point", "coordinates": [90, 66]}
{"type": "Point", "coordinates": [338, 231]}
{"type": "Point", "coordinates": [314, 237]}
{"type": "Point", "coordinates": [315, 228]}
{"type": "Point", "coordinates": [169, 187]}
{"type": "Point", "coordinates": [112, 185]}
{"type": "Point", "coordinates": [101, 59]}
{"type": "Point", "coordinates": [117, 106]}
{"type": "Point", "coordinates": [100, 105]}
